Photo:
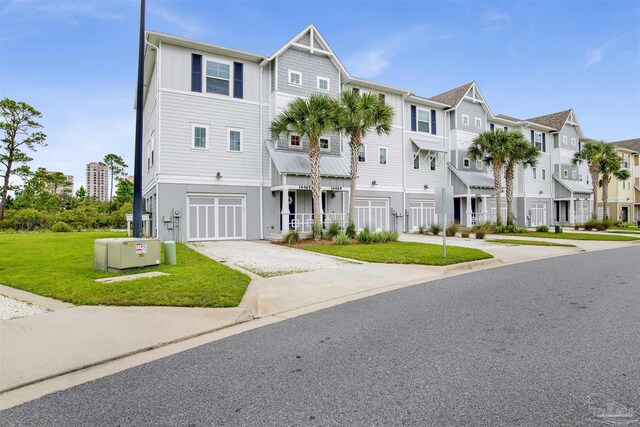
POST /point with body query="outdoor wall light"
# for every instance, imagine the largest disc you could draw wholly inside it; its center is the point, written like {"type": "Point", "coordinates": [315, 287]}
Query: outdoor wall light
{"type": "Point", "coordinates": [333, 195]}
{"type": "Point", "coordinates": [374, 182]}
{"type": "Point", "coordinates": [426, 186]}
{"type": "Point", "coordinates": [273, 194]}
{"type": "Point", "coordinates": [540, 192]}
{"type": "Point", "coordinates": [218, 175]}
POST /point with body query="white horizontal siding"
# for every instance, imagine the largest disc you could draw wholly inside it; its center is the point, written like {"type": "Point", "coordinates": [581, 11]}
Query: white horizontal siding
{"type": "Point", "coordinates": [387, 176]}
{"type": "Point", "coordinates": [150, 126]}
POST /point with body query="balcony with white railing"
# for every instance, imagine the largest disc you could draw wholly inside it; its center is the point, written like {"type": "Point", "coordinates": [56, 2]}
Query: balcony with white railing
{"type": "Point", "coordinates": [302, 222]}
{"type": "Point", "coordinates": [478, 218]}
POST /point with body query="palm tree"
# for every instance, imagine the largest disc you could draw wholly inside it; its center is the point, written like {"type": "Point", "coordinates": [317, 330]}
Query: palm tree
{"type": "Point", "coordinates": [519, 152]}
{"type": "Point", "coordinates": [309, 117]}
{"type": "Point", "coordinates": [492, 149]}
{"type": "Point", "coordinates": [593, 153]}
{"type": "Point", "coordinates": [611, 167]}
{"type": "Point", "coordinates": [358, 115]}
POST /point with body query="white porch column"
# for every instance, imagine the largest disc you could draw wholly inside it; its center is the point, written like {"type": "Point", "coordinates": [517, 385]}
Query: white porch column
{"type": "Point", "coordinates": [572, 211]}
{"type": "Point", "coordinates": [285, 211]}
{"type": "Point", "coordinates": [469, 211]}
{"type": "Point", "coordinates": [485, 207]}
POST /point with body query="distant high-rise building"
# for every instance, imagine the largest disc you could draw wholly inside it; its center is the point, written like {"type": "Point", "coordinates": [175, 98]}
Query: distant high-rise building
{"type": "Point", "coordinates": [97, 181]}
{"type": "Point", "coordinates": [62, 188]}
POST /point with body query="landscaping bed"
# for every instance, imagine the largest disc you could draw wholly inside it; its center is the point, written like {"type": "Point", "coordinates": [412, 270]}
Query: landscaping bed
{"type": "Point", "coordinates": [60, 266]}
{"type": "Point", "coordinates": [530, 242]}
{"type": "Point", "coordinates": [400, 253]}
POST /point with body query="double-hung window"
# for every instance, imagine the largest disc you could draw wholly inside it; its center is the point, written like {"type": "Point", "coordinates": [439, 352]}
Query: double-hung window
{"type": "Point", "coordinates": [218, 75]}
{"type": "Point", "coordinates": [362, 154]}
{"type": "Point", "coordinates": [625, 161]}
{"type": "Point", "coordinates": [564, 139]}
{"type": "Point", "coordinates": [544, 174]}
{"type": "Point", "coordinates": [423, 121]}
{"type": "Point", "coordinates": [382, 154]}
{"type": "Point", "coordinates": [574, 174]}
{"type": "Point", "coordinates": [465, 120]}
{"type": "Point", "coordinates": [573, 142]}
{"type": "Point", "coordinates": [534, 173]}
{"type": "Point", "coordinates": [235, 140]}
{"type": "Point", "coordinates": [537, 140]}
{"type": "Point", "coordinates": [416, 161]}
{"type": "Point", "coordinates": [433, 163]}
{"type": "Point", "coordinates": [295, 78]}
{"type": "Point", "coordinates": [200, 136]}
{"type": "Point", "coordinates": [478, 123]}
{"type": "Point", "coordinates": [323, 83]}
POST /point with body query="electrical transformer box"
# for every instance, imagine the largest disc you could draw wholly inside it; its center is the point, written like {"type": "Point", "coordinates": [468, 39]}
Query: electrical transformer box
{"type": "Point", "coordinates": [115, 255]}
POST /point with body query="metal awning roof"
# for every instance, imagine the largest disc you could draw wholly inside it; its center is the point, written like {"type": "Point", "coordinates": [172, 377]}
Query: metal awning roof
{"type": "Point", "coordinates": [574, 186]}
{"type": "Point", "coordinates": [473, 179]}
{"type": "Point", "coordinates": [298, 163]}
{"type": "Point", "coordinates": [428, 145]}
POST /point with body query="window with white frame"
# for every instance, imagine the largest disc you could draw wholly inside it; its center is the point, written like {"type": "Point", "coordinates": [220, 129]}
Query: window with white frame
{"type": "Point", "coordinates": [587, 181]}
{"type": "Point", "coordinates": [580, 177]}
{"type": "Point", "coordinates": [534, 173]}
{"type": "Point", "coordinates": [478, 122]}
{"type": "Point", "coordinates": [382, 155]}
{"type": "Point", "coordinates": [573, 142]}
{"type": "Point", "coordinates": [218, 77]}
{"type": "Point", "coordinates": [295, 78]}
{"type": "Point", "coordinates": [537, 140]}
{"type": "Point", "coordinates": [294, 141]}
{"type": "Point", "coordinates": [234, 139]}
{"type": "Point", "coordinates": [199, 133]}
{"type": "Point", "coordinates": [416, 161]}
{"type": "Point", "coordinates": [362, 154]}
{"type": "Point", "coordinates": [433, 163]}
{"type": "Point", "coordinates": [381, 97]}
{"type": "Point", "coordinates": [565, 173]}
{"type": "Point", "coordinates": [574, 174]}
{"type": "Point", "coordinates": [465, 120]}
{"type": "Point", "coordinates": [544, 174]}
{"type": "Point", "coordinates": [564, 139]}
{"type": "Point", "coordinates": [324, 143]}
{"type": "Point", "coordinates": [479, 165]}
{"type": "Point", "coordinates": [625, 161]}
{"type": "Point", "coordinates": [323, 83]}
{"type": "Point", "coordinates": [466, 163]}
{"type": "Point", "coordinates": [423, 120]}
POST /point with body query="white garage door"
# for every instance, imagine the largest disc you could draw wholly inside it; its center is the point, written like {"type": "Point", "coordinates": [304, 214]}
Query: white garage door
{"type": "Point", "coordinates": [422, 213]}
{"type": "Point", "coordinates": [372, 213]}
{"type": "Point", "coordinates": [216, 218]}
{"type": "Point", "coordinates": [538, 214]}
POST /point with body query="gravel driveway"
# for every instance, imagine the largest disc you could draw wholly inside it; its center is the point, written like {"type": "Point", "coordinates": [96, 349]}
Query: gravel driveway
{"type": "Point", "coordinates": [266, 259]}
{"type": "Point", "coordinates": [12, 308]}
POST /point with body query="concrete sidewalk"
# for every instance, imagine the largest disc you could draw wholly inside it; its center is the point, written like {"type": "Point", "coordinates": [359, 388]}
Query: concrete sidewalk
{"type": "Point", "coordinates": [70, 338]}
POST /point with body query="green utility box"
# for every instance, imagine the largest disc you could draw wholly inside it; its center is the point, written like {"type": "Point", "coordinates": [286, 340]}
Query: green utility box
{"type": "Point", "coordinates": [558, 229]}
{"type": "Point", "coordinates": [170, 252]}
{"type": "Point", "coordinates": [116, 255]}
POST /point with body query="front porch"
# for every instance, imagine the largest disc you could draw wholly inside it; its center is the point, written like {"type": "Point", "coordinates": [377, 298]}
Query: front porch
{"type": "Point", "coordinates": [297, 213]}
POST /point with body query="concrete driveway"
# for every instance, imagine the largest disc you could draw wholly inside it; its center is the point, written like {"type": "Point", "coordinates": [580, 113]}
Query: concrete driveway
{"type": "Point", "coordinates": [266, 259]}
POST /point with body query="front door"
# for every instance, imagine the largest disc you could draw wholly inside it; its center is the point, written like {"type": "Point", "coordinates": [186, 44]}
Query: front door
{"type": "Point", "coordinates": [292, 209]}
{"type": "Point", "coordinates": [456, 210]}
{"type": "Point", "coordinates": [625, 214]}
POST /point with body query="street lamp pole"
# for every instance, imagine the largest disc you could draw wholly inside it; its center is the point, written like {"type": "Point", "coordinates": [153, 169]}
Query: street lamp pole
{"type": "Point", "coordinates": [137, 174]}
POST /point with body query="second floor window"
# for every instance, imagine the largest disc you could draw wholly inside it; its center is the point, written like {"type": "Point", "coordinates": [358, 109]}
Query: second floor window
{"type": "Point", "coordinates": [574, 174]}
{"type": "Point", "coordinates": [362, 154]}
{"type": "Point", "coordinates": [323, 83]}
{"type": "Point", "coordinates": [537, 140]}
{"type": "Point", "coordinates": [465, 120]}
{"type": "Point", "coordinates": [294, 140]}
{"type": "Point", "coordinates": [199, 137]}
{"type": "Point", "coordinates": [466, 163]}
{"type": "Point", "coordinates": [416, 161]}
{"type": "Point", "coordinates": [218, 77]}
{"type": "Point", "coordinates": [295, 78]}
{"type": "Point", "coordinates": [324, 143]}
{"type": "Point", "coordinates": [433, 163]}
{"type": "Point", "coordinates": [383, 155]}
{"type": "Point", "coordinates": [565, 173]}
{"type": "Point", "coordinates": [534, 173]}
{"type": "Point", "coordinates": [478, 122]}
{"type": "Point", "coordinates": [544, 174]}
{"type": "Point", "coordinates": [235, 140]}
{"type": "Point", "coordinates": [625, 161]}
{"type": "Point", "coordinates": [423, 121]}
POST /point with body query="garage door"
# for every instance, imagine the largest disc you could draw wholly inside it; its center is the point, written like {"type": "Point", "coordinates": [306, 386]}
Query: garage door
{"type": "Point", "coordinates": [372, 213]}
{"type": "Point", "coordinates": [538, 214]}
{"type": "Point", "coordinates": [422, 213]}
{"type": "Point", "coordinates": [216, 218]}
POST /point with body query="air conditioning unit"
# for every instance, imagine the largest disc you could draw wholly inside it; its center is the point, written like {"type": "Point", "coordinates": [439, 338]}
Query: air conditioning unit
{"type": "Point", "coordinates": [116, 255]}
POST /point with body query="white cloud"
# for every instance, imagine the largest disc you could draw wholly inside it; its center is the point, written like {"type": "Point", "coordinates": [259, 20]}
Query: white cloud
{"type": "Point", "coordinates": [495, 21]}
{"type": "Point", "coordinates": [186, 26]}
{"type": "Point", "coordinates": [596, 55]}
{"type": "Point", "coordinates": [375, 60]}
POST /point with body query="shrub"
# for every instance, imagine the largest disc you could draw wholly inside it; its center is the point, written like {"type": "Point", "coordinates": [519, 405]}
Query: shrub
{"type": "Point", "coordinates": [435, 229]}
{"type": "Point", "coordinates": [512, 228]}
{"type": "Point", "coordinates": [365, 237]}
{"type": "Point", "coordinates": [316, 230]}
{"type": "Point", "coordinates": [61, 227]}
{"type": "Point", "coordinates": [334, 229]}
{"type": "Point", "coordinates": [341, 239]}
{"type": "Point", "coordinates": [542, 229]}
{"type": "Point", "coordinates": [590, 225]}
{"type": "Point", "coordinates": [602, 225]}
{"type": "Point", "coordinates": [422, 230]}
{"type": "Point", "coordinates": [480, 234]}
{"type": "Point", "coordinates": [487, 227]}
{"type": "Point", "coordinates": [464, 234]}
{"type": "Point", "coordinates": [577, 226]}
{"type": "Point", "coordinates": [351, 231]}
{"type": "Point", "coordinates": [386, 236]}
{"type": "Point", "coordinates": [292, 237]}
{"type": "Point", "coordinates": [522, 230]}
{"type": "Point", "coordinates": [452, 229]}
{"type": "Point", "coordinates": [499, 229]}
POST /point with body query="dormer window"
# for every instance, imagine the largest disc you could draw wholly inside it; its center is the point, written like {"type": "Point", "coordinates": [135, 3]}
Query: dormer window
{"type": "Point", "coordinates": [294, 141]}
{"type": "Point", "coordinates": [323, 84]}
{"type": "Point", "coordinates": [295, 78]}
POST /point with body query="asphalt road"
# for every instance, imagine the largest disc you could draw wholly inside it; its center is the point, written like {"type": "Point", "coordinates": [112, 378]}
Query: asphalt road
{"type": "Point", "coordinates": [540, 343]}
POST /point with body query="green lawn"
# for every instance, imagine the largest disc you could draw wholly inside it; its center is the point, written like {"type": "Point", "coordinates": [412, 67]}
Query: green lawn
{"type": "Point", "coordinates": [60, 266]}
{"type": "Point", "coordinates": [530, 242]}
{"type": "Point", "coordinates": [624, 231]}
{"type": "Point", "coordinates": [578, 236]}
{"type": "Point", "coordinates": [403, 253]}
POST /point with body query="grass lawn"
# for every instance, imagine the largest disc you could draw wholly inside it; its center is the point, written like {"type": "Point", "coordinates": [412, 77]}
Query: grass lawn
{"type": "Point", "coordinates": [578, 236]}
{"type": "Point", "coordinates": [403, 253]}
{"type": "Point", "coordinates": [60, 266]}
{"type": "Point", "coordinates": [636, 231]}
{"type": "Point", "coordinates": [530, 242]}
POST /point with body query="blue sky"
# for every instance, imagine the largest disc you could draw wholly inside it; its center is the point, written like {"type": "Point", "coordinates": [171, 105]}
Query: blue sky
{"type": "Point", "coordinates": [76, 60]}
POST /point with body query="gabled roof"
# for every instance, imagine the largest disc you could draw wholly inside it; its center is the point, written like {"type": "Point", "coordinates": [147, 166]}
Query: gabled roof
{"type": "Point", "coordinates": [453, 96]}
{"type": "Point", "coordinates": [505, 117]}
{"type": "Point", "coordinates": [629, 144]}
{"type": "Point", "coordinates": [298, 163]}
{"type": "Point", "coordinates": [554, 120]}
{"type": "Point", "coordinates": [473, 179]}
{"type": "Point", "coordinates": [436, 147]}
{"type": "Point", "coordinates": [573, 185]}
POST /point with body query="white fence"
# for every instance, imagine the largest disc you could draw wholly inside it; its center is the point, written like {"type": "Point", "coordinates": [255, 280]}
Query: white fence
{"type": "Point", "coordinates": [302, 222]}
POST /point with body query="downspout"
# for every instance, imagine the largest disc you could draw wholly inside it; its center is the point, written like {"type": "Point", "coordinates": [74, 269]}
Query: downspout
{"type": "Point", "coordinates": [159, 70]}
{"type": "Point", "coordinates": [261, 146]}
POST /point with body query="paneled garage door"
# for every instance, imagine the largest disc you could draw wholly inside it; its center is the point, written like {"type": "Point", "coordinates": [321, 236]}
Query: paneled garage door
{"type": "Point", "coordinates": [216, 218]}
{"type": "Point", "coordinates": [538, 214]}
{"type": "Point", "coordinates": [422, 213]}
{"type": "Point", "coordinates": [372, 213]}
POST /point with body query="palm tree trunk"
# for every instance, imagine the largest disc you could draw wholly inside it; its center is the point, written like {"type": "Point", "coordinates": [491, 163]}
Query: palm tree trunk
{"type": "Point", "coordinates": [316, 189]}
{"type": "Point", "coordinates": [509, 176]}
{"type": "Point", "coordinates": [605, 195]}
{"type": "Point", "coordinates": [497, 184]}
{"type": "Point", "coordinates": [595, 177]}
{"type": "Point", "coordinates": [355, 143]}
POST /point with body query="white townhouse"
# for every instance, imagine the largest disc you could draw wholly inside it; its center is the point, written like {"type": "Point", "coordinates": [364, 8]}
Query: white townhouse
{"type": "Point", "coordinates": [213, 172]}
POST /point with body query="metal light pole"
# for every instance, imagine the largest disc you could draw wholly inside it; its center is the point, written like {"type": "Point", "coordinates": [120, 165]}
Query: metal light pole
{"type": "Point", "coordinates": [137, 174]}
